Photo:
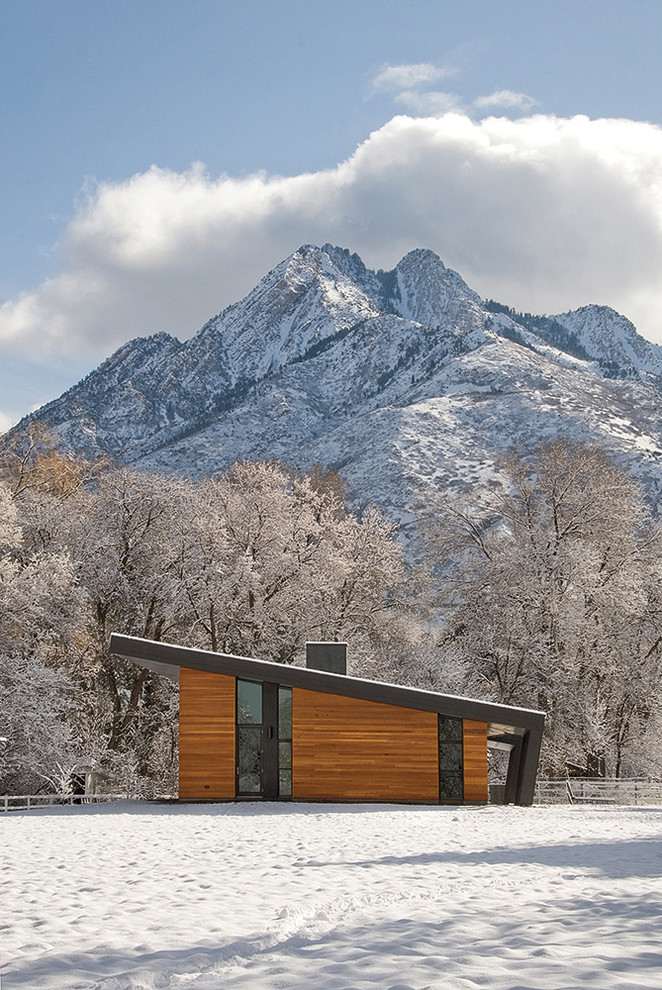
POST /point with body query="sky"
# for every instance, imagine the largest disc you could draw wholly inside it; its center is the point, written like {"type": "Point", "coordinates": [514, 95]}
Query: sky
{"type": "Point", "coordinates": [160, 156]}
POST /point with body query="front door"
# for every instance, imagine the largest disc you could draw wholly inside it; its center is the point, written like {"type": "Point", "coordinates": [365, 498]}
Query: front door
{"type": "Point", "coordinates": [264, 740]}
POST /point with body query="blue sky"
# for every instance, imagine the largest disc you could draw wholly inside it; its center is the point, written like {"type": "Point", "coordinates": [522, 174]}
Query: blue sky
{"type": "Point", "coordinates": [449, 125]}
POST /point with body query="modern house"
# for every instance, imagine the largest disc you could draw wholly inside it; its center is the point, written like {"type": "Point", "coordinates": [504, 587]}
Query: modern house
{"type": "Point", "coordinates": [257, 729]}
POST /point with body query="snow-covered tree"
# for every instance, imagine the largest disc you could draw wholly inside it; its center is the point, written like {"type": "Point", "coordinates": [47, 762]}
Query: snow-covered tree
{"type": "Point", "coordinates": [254, 562]}
{"type": "Point", "coordinates": [273, 560]}
{"type": "Point", "coordinates": [38, 608]}
{"type": "Point", "coordinates": [555, 603]}
{"type": "Point", "coordinates": [125, 532]}
{"type": "Point", "coordinates": [35, 742]}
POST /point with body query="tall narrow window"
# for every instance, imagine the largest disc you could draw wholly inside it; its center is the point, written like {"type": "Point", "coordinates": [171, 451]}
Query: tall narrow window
{"type": "Point", "coordinates": [451, 782]}
{"type": "Point", "coordinates": [284, 742]}
{"type": "Point", "coordinates": [249, 737]}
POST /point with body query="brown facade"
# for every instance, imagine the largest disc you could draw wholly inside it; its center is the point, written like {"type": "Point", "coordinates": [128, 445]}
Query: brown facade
{"type": "Point", "coordinates": [474, 745]}
{"type": "Point", "coordinates": [343, 749]}
{"type": "Point", "coordinates": [347, 749]}
{"type": "Point", "coordinates": [206, 735]}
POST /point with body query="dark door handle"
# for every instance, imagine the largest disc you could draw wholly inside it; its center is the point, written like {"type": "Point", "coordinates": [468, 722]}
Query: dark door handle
{"type": "Point", "coordinates": [270, 732]}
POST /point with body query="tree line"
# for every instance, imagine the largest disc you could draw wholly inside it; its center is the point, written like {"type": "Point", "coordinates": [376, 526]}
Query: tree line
{"type": "Point", "coordinates": [544, 594]}
{"type": "Point", "coordinates": [253, 562]}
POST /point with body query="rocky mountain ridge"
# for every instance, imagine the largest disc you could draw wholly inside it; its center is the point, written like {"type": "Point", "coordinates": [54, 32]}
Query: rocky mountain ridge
{"type": "Point", "coordinates": [406, 381]}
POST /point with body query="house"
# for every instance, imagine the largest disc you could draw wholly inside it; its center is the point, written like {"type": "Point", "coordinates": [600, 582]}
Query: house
{"type": "Point", "coordinates": [257, 729]}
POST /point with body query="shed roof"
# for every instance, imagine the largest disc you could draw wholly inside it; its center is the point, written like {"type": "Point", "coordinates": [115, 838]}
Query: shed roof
{"type": "Point", "coordinates": [166, 659]}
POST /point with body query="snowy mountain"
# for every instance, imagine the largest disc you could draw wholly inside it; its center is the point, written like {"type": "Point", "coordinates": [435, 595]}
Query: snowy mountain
{"type": "Point", "coordinates": [406, 381]}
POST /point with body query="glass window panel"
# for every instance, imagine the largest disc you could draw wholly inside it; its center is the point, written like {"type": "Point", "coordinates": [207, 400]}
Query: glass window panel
{"type": "Point", "coordinates": [451, 776]}
{"type": "Point", "coordinates": [450, 789]}
{"type": "Point", "coordinates": [249, 783]}
{"type": "Point", "coordinates": [450, 760]}
{"type": "Point", "coordinates": [450, 729]}
{"type": "Point", "coordinates": [285, 755]}
{"type": "Point", "coordinates": [285, 783]}
{"type": "Point", "coordinates": [249, 702]}
{"type": "Point", "coordinates": [284, 713]}
{"type": "Point", "coordinates": [249, 758]}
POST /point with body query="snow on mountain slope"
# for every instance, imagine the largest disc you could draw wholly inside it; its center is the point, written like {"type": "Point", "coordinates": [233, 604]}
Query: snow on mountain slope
{"type": "Point", "coordinates": [404, 380]}
{"type": "Point", "coordinates": [612, 339]}
{"type": "Point", "coordinates": [125, 399]}
{"type": "Point", "coordinates": [430, 293]}
{"type": "Point", "coordinates": [412, 441]}
{"type": "Point", "coordinates": [302, 302]}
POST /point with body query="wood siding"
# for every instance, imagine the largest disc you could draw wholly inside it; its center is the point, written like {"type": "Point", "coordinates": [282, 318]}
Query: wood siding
{"type": "Point", "coordinates": [347, 749]}
{"type": "Point", "coordinates": [206, 735]}
{"type": "Point", "coordinates": [475, 760]}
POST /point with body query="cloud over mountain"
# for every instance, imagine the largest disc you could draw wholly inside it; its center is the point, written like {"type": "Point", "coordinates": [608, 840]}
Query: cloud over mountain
{"type": "Point", "coordinates": [540, 212]}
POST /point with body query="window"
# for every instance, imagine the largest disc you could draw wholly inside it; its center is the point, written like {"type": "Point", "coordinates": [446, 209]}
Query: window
{"type": "Point", "coordinates": [451, 782]}
{"type": "Point", "coordinates": [249, 703]}
{"type": "Point", "coordinates": [249, 737]}
{"type": "Point", "coordinates": [284, 742]}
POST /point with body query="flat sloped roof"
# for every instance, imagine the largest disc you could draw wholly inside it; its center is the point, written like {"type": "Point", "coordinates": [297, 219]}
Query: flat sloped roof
{"type": "Point", "coordinates": [166, 659]}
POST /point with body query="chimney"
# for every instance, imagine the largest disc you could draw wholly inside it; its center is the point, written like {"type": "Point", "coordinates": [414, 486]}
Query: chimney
{"type": "Point", "coordinates": [330, 657]}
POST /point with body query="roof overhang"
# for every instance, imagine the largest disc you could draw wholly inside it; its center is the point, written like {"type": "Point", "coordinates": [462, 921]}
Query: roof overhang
{"type": "Point", "coordinates": [167, 659]}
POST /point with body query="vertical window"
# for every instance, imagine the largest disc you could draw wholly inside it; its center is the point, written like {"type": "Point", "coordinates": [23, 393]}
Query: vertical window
{"type": "Point", "coordinates": [284, 742]}
{"type": "Point", "coordinates": [249, 703]}
{"type": "Point", "coordinates": [249, 737]}
{"type": "Point", "coordinates": [451, 774]}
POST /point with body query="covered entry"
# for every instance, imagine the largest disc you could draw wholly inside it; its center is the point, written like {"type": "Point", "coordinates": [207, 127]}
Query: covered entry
{"type": "Point", "coordinates": [264, 740]}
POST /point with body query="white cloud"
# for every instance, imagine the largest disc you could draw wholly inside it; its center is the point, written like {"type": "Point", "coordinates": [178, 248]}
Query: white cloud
{"type": "Point", "coordinates": [542, 213]}
{"type": "Point", "coordinates": [505, 99]}
{"type": "Point", "coordinates": [392, 78]}
{"type": "Point", "coordinates": [434, 102]}
{"type": "Point", "coordinates": [5, 422]}
{"type": "Point", "coordinates": [410, 86]}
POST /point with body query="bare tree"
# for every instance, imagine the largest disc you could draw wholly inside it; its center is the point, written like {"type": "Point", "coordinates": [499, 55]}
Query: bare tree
{"type": "Point", "coordinates": [39, 606]}
{"type": "Point", "coordinates": [253, 562]}
{"type": "Point", "coordinates": [554, 602]}
{"type": "Point", "coordinates": [273, 559]}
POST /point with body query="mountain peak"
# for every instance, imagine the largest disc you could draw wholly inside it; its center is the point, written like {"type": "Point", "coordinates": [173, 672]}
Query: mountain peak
{"type": "Point", "coordinates": [430, 293]}
{"type": "Point", "coordinates": [140, 349]}
{"type": "Point", "coordinates": [402, 379]}
{"type": "Point", "coordinates": [346, 260]}
{"type": "Point", "coordinates": [421, 256]}
{"type": "Point", "coordinates": [611, 339]}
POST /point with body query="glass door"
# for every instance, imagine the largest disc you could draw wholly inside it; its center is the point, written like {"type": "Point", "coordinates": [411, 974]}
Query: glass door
{"type": "Point", "coordinates": [249, 738]}
{"type": "Point", "coordinates": [264, 740]}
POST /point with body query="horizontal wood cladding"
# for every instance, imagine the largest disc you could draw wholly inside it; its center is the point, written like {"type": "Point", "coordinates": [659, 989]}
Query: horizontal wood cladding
{"type": "Point", "coordinates": [206, 735]}
{"type": "Point", "coordinates": [475, 760]}
{"type": "Point", "coordinates": [348, 749]}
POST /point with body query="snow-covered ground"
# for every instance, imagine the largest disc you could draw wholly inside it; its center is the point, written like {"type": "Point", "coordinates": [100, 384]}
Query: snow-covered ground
{"type": "Point", "coordinates": [270, 897]}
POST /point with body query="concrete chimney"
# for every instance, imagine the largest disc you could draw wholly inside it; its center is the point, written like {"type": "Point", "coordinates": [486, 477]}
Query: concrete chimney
{"type": "Point", "coordinates": [330, 657]}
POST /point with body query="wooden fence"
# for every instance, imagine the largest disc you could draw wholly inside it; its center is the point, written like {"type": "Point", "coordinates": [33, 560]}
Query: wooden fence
{"type": "Point", "coordinates": [27, 802]}
{"type": "Point", "coordinates": [575, 790]}
{"type": "Point", "coordinates": [589, 790]}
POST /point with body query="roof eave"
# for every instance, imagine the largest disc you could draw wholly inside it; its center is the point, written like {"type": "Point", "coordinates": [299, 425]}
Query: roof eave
{"type": "Point", "coordinates": [166, 659]}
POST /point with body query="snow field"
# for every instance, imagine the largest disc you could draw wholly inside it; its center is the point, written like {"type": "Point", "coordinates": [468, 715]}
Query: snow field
{"type": "Point", "coordinates": [134, 896]}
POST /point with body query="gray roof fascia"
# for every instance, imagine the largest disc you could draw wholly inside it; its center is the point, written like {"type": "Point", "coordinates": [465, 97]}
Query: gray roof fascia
{"type": "Point", "coordinates": [149, 653]}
